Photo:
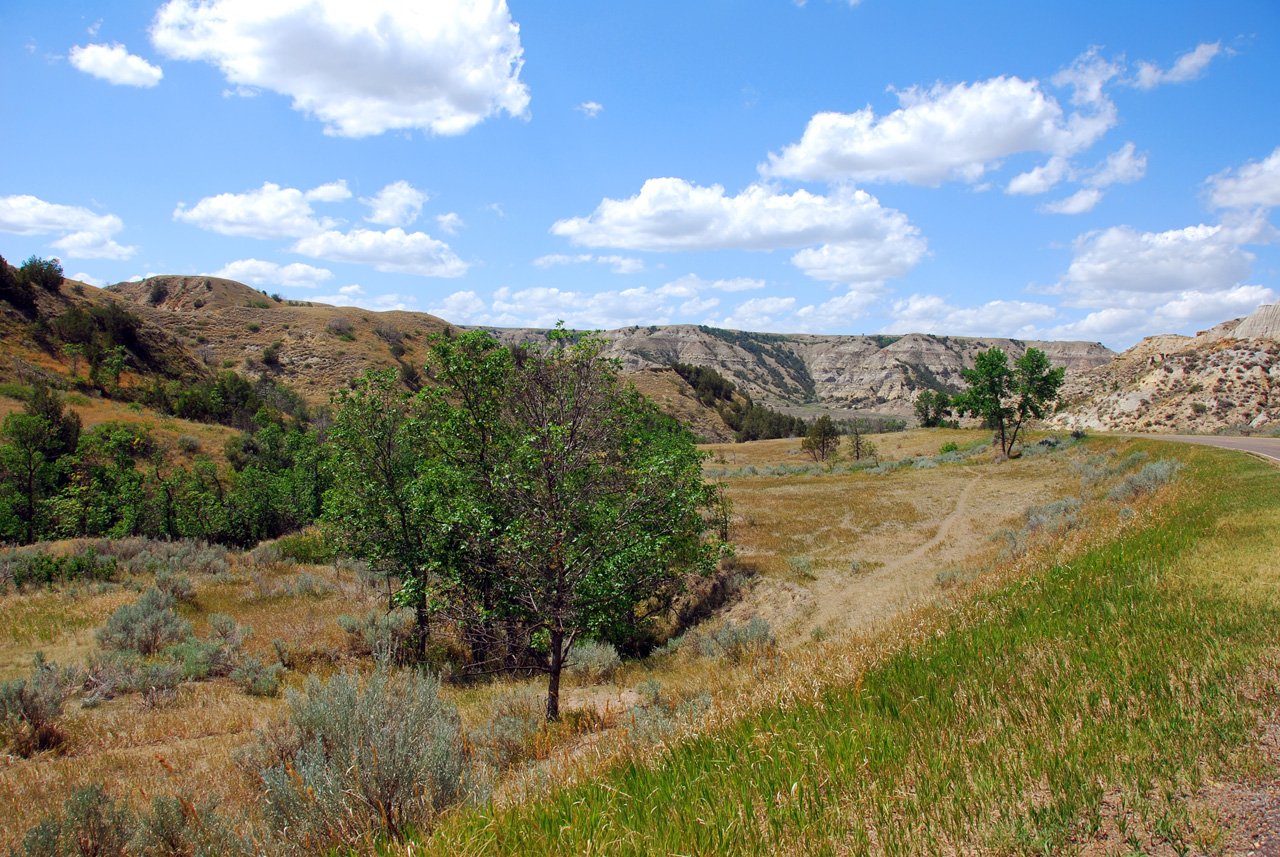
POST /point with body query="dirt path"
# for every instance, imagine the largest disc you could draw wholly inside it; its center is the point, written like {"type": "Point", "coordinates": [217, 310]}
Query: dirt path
{"type": "Point", "coordinates": [838, 601]}
{"type": "Point", "coordinates": [944, 530]}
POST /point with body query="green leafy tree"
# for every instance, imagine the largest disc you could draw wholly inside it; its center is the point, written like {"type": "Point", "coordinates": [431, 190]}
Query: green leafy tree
{"type": "Point", "coordinates": [1006, 398]}
{"type": "Point", "coordinates": [932, 408]}
{"type": "Point", "coordinates": [529, 495]}
{"type": "Point", "coordinates": [383, 506]}
{"type": "Point", "coordinates": [113, 365]}
{"type": "Point", "coordinates": [823, 440]}
{"type": "Point", "coordinates": [75, 351]}
{"type": "Point", "coordinates": [27, 473]}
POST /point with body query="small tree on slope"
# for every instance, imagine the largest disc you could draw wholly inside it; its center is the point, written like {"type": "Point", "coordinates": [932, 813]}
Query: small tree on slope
{"type": "Point", "coordinates": [1007, 397]}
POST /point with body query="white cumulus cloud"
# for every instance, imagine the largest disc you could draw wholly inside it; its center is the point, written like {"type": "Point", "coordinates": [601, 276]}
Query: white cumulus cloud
{"type": "Point", "coordinates": [459, 306]}
{"type": "Point", "coordinates": [860, 241]}
{"type": "Point", "coordinates": [1255, 185]}
{"type": "Point", "coordinates": [114, 64]}
{"type": "Point", "coordinates": [1078, 203]}
{"type": "Point", "coordinates": [83, 234]}
{"type": "Point", "coordinates": [329, 192]}
{"type": "Point", "coordinates": [364, 67]}
{"type": "Point", "coordinates": [942, 133]}
{"type": "Point", "coordinates": [619, 264]}
{"type": "Point", "coordinates": [1187, 67]}
{"type": "Point", "coordinates": [932, 314]}
{"type": "Point", "coordinates": [258, 272]}
{"type": "Point", "coordinates": [543, 307]}
{"type": "Point", "coordinates": [268, 212]}
{"type": "Point", "coordinates": [1120, 267]}
{"type": "Point", "coordinates": [691, 285]}
{"type": "Point", "coordinates": [590, 108]}
{"type": "Point", "coordinates": [89, 278]}
{"type": "Point", "coordinates": [449, 223]}
{"type": "Point", "coordinates": [1040, 179]}
{"type": "Point", "coordinates": [1186, 311]}
{"type": "Point", "coordinates": [397, 204]}
{"type": "Point", "coordinates": [764, 314]}
{"type": "Point", "coordinates": [1123, 166]}
{"type": "Point", "coordinates": [393, 250]}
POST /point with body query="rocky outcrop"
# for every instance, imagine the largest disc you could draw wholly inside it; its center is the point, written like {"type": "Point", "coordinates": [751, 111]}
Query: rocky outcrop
{"type": "Point", "coordinates": [1263, 324]}
{"type": "Point", "coordinates": [1179, 384]}
{"type": "Point", "coordinates": [873, 373]}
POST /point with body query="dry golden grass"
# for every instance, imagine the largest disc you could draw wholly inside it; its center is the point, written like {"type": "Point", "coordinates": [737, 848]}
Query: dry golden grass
{"type": "Point", "coordinates": [189, 745]}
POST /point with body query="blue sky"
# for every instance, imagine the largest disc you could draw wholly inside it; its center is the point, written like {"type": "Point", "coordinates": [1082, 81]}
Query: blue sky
{"type": "Point", "coordinates": [1096, 171]}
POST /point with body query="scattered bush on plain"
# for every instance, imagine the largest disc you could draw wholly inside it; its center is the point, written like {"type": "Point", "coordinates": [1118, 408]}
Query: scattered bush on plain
{"type": "Point", "coordinates": [355, 760]}
{"type": "Point", "coordinates": [146, 626]}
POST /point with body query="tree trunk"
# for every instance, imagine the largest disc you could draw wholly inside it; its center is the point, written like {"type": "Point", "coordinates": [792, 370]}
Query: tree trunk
{"type": "Point", "coordinates": [553, 679]}
{"type": "Point", "coordinates": [421, 630]}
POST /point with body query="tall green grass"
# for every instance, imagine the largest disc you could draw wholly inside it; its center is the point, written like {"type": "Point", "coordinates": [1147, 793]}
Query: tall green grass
{"type": "Point", "coordinates": [1011, 727]}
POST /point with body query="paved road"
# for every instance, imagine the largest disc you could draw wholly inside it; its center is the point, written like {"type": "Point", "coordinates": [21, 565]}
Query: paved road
{"type": "Point", "coordinates": [1267, 447]}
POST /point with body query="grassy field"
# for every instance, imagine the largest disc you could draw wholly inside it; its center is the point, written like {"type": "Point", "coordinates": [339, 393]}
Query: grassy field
{"type": "Point", "coordinates": [1083, 704]}
{"type": "Point", "coordinates": [944, 662]}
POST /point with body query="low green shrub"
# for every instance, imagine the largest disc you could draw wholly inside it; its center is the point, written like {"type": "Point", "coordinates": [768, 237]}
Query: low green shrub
{"type": "Point", "coordinates": [91, 824]}
{"type": "Point", "coordinates": [385, 635]}
{"type": "Point", "coordinates": [146, 626]}
{"type": "Point", "coordinates": [176, 586]}
{"type": "Point", "coordinates": [31, 711]}
{"type": "Point", "coordinates": [215, 657]}
{"type": "Point", "coordinates": [256, 679]}
{"type": "Point", "coordinates": [356, 761]}
{"type": "Point", "coordinates": [114, 673]}
{"type": "Point", "coordinates": [734, 642]}
{"type": "Point", "coordinates": [180, 827]}
{"type": "Point", "coordinates": [24, 567]}
{"type": "Point", "coordinates": [590, 662]}
{"type": "Point", "coordinates": [509, 736]}
{"type": "Point", "coordinates": [306, 548]}
{"type": "Point", "coordinates": [1146, 480]}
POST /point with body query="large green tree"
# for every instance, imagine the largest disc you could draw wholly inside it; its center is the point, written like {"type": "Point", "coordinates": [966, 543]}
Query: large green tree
{"type": "Point", "coordinates": [1007, 397]}
{"type": "Point", "coordinates": [528, 494]}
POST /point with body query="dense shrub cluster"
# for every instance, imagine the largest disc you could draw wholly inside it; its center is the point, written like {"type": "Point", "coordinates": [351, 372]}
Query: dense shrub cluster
{"type": "Point", "coordinates": [748, 420]}
{"type": "Point", "coordinates": [21, 567]}
{"type": "Point", "coordinates": [228, 398]}
{"type": "Point", "coordinates": [59, 482]}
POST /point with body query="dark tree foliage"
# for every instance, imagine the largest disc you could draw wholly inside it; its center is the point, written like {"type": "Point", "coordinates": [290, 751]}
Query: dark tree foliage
{"type": "Point", "coordinates": [229, 398]}
{"type": "Point", "coordinates": [823, 440]}
{"type": "Point", "coordinates": [16, 290]}
{"type": "Point", "coordinates": [104, 334]}
{"type": "Point", "coordinates": [710, 386]}
{"type": "Point", "coordinates": [933, 408]}
{"type": "Point", "coordinates": [42, 273]}
{"type": "Point", "coordinates": [748, 420]}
